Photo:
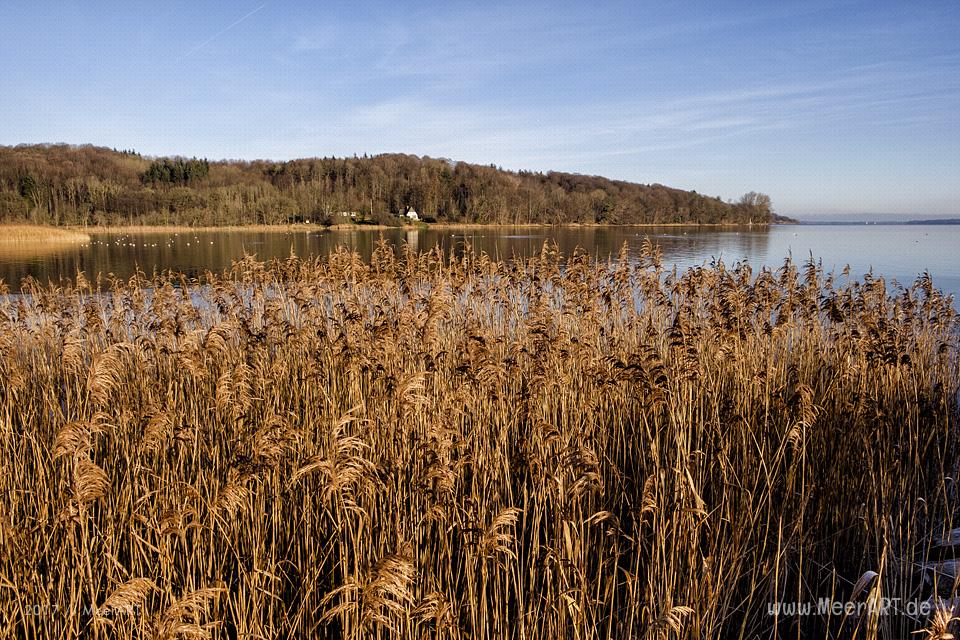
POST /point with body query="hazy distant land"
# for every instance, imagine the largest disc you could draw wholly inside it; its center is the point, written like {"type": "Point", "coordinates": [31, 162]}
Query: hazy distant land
{"type": "Point", "coordinates": [925, 222]}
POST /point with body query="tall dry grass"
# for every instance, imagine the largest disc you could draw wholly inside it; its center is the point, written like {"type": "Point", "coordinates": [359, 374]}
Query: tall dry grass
{"type": "Point", "coordinates": [430, 445]}
{"type": "Point", "coordinates": [39, 234]}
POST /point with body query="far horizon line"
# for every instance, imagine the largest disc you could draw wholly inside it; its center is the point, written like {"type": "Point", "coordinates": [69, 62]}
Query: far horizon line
{"type": "Point", "coordinates": [870, 217]}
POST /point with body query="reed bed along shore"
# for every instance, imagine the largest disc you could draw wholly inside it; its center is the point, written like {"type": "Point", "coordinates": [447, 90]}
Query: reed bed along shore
{"type": "Point", "coordinates": [429, 445]}
{"type": "Point", "coordinates": [39, 234]}
{"type": "Point", "coordinates": [403, 224]}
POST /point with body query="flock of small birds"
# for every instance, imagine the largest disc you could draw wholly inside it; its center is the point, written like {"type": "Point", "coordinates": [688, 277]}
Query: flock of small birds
{"type": "Point", "coordinates": [128, 241]}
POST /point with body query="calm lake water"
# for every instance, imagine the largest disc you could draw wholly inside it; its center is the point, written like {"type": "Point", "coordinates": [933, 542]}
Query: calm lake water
{"type": "Point", "coordinates": [898, 252]}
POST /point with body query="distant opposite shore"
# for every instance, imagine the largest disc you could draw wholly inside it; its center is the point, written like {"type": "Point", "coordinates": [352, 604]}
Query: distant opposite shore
{"type": "Point", "coordinates": [90, 187]}
{"type": "Point", "coordinates": [27, 233]}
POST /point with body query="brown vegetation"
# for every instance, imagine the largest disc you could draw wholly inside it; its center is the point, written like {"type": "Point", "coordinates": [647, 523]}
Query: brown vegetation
{"type": "Point", "coordinates": [446, 446]}
{"type": "Point", "coordinates": [27, 233]}
{"type": "Point", "coordinates": [24, 242]}
{"type": "Point", "coordinates": [68, 185]}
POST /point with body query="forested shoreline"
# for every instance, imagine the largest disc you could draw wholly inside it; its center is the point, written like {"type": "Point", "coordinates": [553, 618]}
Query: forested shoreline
{"type": "Point", "coordinates": [86, 185]}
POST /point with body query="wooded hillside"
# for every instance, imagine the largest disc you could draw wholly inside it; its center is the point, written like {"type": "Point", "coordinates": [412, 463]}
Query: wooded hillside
{"type": "Point", "coordinates": [65, 184]}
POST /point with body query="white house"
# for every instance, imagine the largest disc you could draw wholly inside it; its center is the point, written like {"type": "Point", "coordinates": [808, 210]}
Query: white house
{"type": "Point", "coordinates": [412, 214]}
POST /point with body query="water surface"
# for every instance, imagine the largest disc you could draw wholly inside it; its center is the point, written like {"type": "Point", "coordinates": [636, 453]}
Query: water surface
{"type": "Point", "coordinates": [898, 252]}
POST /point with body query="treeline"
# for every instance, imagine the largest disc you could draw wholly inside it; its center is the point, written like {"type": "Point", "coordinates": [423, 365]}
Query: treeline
{"type": "Point", "coordinates": [86, 185]}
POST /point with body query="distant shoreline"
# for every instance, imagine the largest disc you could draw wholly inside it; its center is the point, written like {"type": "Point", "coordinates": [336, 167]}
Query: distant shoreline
{"type": "Point", "coordinates": [441, 226]}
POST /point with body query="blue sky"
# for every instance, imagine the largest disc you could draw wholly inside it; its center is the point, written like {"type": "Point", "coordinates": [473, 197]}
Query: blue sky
{"type": "Point", "coordinates": [830, 108]}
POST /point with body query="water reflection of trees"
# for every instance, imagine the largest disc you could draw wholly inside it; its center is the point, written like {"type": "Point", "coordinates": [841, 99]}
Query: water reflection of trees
{"type": "Point", "coordinates": [195, 253]}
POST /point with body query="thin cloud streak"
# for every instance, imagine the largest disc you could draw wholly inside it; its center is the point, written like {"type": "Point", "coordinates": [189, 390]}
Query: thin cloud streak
{"type": "Point", "coordinates": [218, 34]}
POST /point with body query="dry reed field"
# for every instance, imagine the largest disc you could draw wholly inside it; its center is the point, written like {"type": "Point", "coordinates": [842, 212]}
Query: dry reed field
{"type": "Point", "coordinates": [446, 446]}
{"type": "Point", "coordinates": [40, 234]}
